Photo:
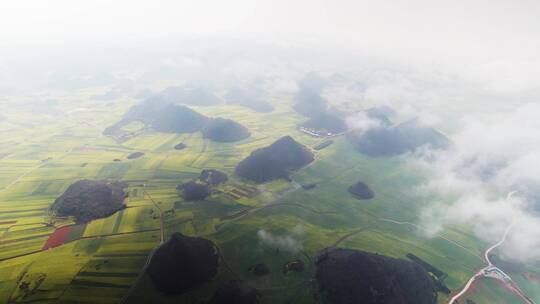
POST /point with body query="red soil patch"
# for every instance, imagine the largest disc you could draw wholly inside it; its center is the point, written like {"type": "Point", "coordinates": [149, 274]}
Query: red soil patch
{"type": "Point", "coordinates": [59, 237]}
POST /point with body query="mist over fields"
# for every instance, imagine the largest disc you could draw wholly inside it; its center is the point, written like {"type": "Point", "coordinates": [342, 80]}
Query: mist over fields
{"type": "Point", "coordinates": [450, 95]}
{"type": "Point", "coordinates": [492, 127]}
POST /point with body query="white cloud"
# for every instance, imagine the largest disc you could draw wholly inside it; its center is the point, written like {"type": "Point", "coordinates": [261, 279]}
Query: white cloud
{"type": "Point", "coordinates": [487, 160]}
{"type": "Point", "coordinates": [361, 123]}
{"type": "Point", "coordinates": [283, 242]}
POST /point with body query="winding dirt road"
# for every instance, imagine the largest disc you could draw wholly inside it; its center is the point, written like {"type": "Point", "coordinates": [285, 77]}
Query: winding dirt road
{"type": "Point", "coordinates": [490, 268]}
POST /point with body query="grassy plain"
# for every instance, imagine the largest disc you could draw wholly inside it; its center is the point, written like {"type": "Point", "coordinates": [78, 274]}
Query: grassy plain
{"type": "Point", "coordinates": [41, 158]}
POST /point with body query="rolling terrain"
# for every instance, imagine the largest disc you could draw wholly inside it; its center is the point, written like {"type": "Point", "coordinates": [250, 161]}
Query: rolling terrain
{"type": "Point", "coordinates": [50, 259]}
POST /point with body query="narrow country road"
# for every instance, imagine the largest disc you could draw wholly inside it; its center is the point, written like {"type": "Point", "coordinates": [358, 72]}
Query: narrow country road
{"type": "Point", "coordinates": [505, 278]}
{"type": "Point", "coordinates": [499, 243]}
{"type": "Point", "coordinates": [161, 224]}
{"type": "Point", "coordinates": [15, 181]}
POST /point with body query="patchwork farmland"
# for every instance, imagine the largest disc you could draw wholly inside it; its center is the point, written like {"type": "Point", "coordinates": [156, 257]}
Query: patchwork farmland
{"type": "Point", "coordinates": [47, 259]}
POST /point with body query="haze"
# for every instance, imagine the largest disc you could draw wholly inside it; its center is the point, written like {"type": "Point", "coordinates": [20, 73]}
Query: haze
{"type": "Point", "coordinates": [454, 85]}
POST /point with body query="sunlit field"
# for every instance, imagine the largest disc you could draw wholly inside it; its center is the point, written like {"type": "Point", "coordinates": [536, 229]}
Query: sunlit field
{"type": "Point", "coordinates": [103, 261]}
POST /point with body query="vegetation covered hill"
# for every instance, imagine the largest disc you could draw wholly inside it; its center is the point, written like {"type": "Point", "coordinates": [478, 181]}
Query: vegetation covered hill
{"type": "Point", "coordinates": [310, 103]}
{"type": "Point", "coordinates": [398, 139]}
{"type": "Point", "coordinates": [135, 155]}
{"type": "Point", "coordinates": [162, 117]}
{"type": "Point", "coordinates": [248, 99]}
{"type": "Point", "coordinates": [326, 122]}
{"type": "Point", "coordinates": [87, 200]}
{"type": "Point", "coordinates": [178, 119]}
{"type": "Point", "coordinates": [308, 99]}
{"type": "Point", "coordinates": [180, 146]}
{"type": "Point", "coordinates": [194, 190]}
{"type": "Point", "coordinates": [183, 263]}
{"type": "Point", "coordinates": [382, 114]}
{"type": "Point", "coordinates": [236, 292]}
{"type": "Point", "coordinates": [225, 130]}
{"type": "Point", "coordinates": [196, 96]}
{"type": "Point", "coordinates": [275, 161]}
{"type": "Point", "coordinates": [199, 189]}
{"type": "Point", "coordinates": [361, 191]}
{"type": "Point", "coordinates": [213, 177]}
{"type": "Point", "coordinates": [353, 276]}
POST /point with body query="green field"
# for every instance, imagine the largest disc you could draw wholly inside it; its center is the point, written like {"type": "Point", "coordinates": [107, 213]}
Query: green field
{"type": "Point", "coordinates": [41, 158]}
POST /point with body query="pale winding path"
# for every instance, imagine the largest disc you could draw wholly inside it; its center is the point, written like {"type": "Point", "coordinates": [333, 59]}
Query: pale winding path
{"type": "Point", "coordinates": [507, 281]}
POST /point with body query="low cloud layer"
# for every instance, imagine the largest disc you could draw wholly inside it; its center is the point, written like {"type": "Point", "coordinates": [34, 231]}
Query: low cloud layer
{"type": "Point", "coordinates": [286, 242]}
{"type": "Point", "coordinates": [489, 159]}
{"type": "Point", "coordinates": [361, 122]}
